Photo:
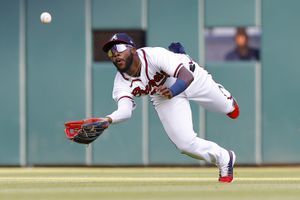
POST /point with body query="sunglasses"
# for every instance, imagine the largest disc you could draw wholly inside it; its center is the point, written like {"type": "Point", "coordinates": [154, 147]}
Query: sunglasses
{"type": "Point", "coordinates": [117, 48]}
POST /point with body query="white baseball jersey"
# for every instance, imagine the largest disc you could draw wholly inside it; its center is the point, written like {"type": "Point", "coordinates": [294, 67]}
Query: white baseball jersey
{"type": "Point", "coordinates": [160, 67]}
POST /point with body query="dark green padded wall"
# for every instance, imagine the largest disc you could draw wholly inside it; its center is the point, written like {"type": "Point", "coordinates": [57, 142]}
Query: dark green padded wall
{"type": "Point", "coordinates": [239, 134]}
{"type": "Point", "coordinates": [121, 143]}
{"type": "Point", "coordinates": [174, 21]}
{"type": "Point", "coordinates": [55, 61]}
{"type": "Point", "coordinates": [9, 81]}
{"type": "Point", "coordinates": [230, 12]}
{"type": "Point", "coordinates": [116, 14]}
{"type": "Point", "coordinates": [281, 96]}
{"type": "Point", "coordinates": [56, 87]}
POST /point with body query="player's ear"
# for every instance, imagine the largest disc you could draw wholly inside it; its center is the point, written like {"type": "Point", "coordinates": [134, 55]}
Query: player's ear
{"type": "Point", "coordinates": [133, 50]}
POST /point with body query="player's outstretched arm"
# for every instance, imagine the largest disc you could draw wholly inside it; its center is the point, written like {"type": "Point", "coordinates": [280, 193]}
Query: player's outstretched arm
{"type": "Point", "coordinates": [88, 130]}
{"type": "Point", "coordinates": [124, 111]}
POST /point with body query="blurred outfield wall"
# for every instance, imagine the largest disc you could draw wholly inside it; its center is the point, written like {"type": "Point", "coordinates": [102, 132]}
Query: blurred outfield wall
{"type": "Point", "coordinates": [48, 77]}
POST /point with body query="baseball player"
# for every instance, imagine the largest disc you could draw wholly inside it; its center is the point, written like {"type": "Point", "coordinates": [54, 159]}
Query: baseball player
{"type": "Point", "coordinates": [171, 79]}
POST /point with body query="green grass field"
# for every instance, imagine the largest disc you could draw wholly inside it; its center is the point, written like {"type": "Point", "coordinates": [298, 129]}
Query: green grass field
{"type": "Point", "coordinates": [148, 183]}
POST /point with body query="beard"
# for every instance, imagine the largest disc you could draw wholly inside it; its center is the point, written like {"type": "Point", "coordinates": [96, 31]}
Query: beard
{"type": "Point", "coordinates": [128, 63]}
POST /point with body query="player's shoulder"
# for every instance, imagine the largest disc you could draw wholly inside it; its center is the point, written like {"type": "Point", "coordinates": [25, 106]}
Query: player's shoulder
{"type": "Point", "coordinates": [119, 77]}
{"type": "Point", "coordinates": [153, 54]}
{"type": "Point", "coordinates": [152, 50]}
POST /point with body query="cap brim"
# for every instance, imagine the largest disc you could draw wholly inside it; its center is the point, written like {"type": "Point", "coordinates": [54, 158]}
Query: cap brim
{"type": "Point", "coordinates": [107, 46]}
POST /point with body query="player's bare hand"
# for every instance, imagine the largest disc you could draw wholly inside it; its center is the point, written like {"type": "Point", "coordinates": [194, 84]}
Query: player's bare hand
{"type": "Point", "coordinates": [164, 91]}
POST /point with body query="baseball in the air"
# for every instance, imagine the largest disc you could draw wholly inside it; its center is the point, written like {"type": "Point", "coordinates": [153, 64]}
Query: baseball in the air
{"type": "Point", "coordinates": [46, 18]}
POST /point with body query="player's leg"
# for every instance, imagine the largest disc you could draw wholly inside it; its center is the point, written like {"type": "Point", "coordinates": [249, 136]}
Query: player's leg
{"type": "Point", "coordinates": [214, 97]}
{"type": "Point", "coordinates": [176, 117]}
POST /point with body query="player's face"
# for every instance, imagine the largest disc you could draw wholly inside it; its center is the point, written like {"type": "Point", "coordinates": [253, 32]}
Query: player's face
{"type": "Point", "coordinates": [121, 56]}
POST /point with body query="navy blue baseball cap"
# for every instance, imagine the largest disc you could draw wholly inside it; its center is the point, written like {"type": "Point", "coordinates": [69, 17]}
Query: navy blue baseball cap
{"type": "Point", "coordinates": [118, 38]}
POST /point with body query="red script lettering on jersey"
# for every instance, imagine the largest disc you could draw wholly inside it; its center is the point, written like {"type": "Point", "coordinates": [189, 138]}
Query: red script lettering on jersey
{"type": "Point", "coordinates": [158, 79]}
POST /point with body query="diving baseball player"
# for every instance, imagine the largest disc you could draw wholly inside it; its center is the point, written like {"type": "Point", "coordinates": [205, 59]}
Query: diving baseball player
{"type": "Point", "coordinates": [171, 80]}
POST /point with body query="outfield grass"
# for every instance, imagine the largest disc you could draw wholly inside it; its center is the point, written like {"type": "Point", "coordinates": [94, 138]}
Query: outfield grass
{"type": "Point", "coordinates": [148, 183]}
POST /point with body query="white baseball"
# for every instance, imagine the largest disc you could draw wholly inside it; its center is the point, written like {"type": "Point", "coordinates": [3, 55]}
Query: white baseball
{"type": "Point", "coordinates": [46, 18]}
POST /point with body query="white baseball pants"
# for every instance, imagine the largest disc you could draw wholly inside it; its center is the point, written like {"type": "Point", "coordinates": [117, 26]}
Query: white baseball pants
{"type": "Point", "coordinates": [176, 117]}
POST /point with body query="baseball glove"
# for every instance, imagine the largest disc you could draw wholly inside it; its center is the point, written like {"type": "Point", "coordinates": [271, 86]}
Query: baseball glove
{"type": "Point", "coordinates": [85, 131]}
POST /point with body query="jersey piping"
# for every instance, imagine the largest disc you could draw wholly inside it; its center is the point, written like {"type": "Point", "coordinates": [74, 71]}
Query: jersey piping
{"type": "Point", "coordinates": [146, 63]}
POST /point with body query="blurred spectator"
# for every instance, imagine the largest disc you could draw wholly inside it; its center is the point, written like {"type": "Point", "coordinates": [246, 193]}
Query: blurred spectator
{"type": "Point", "coordinates": [242, 50]}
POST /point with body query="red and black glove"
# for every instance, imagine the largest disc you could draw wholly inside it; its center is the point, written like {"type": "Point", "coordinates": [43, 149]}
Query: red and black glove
{"type": "Point", "coordinates": [85, 131]}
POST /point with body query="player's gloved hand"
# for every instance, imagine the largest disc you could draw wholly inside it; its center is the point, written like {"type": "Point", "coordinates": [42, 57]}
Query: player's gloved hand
{"type": "Point", "coordinates": [86, 131]}
{"type": "Point", "coordinates": [164, 91]}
